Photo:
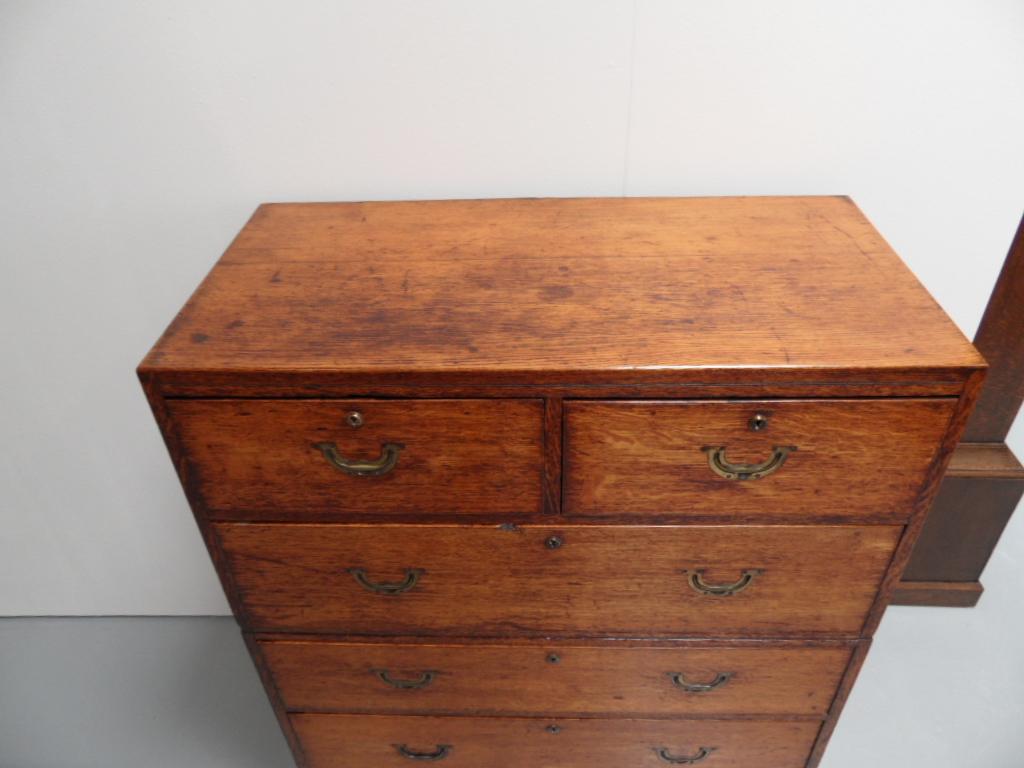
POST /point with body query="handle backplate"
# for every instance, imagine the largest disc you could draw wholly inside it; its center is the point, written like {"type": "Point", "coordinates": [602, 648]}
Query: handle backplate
{"type": "Point", "coordinates": [440, 752]}
{"type": "Point", "coordinates": [722, 467]}
{"type": "Point", "coordinates": [679, 681]}
{"type": "Point", "coordinates": [424, 679]}
{"type": "Point", "coordinates": [374, 468]}
{"type": "Point", "coordinates": [696, 581]}
{"type": "Point", "coordinates": [412, 575]}
{"type": "Point", "coordinates": [666, 755]}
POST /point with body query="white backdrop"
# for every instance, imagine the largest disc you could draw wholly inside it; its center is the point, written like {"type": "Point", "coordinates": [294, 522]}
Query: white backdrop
{"type": "Point", "coordinates": [136, 137]}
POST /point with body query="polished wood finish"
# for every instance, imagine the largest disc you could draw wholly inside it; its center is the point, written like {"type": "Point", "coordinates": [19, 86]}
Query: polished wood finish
{"type": "Point", "coordinates": [972, 511]}
{"type": "Point", "coordinates": [555, 680]}
{"type": "Point", "coordinates": [561, 291]}
{"type": "Point", "coordinates": [863, 459]}
{"type": "Point", "coordinates": [256, 459]}
{"type": "Point", "coordinates": [601, 580]}
{"type": "Point", "coordinates": [522, 517]}
{"type": "Point", "coordinates": [372, 741]}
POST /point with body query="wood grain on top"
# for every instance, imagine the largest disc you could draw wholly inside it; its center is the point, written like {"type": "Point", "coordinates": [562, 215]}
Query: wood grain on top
{"type": "Point", "coordinates": [705, 288]}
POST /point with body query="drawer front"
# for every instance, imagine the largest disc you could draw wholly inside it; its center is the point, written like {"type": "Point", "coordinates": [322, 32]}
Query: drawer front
{"type": "Point", "coordinates": [375, 741]}
{"type": "Point", "coordinates": [305, 459]}
{"type": "Point", "coordinates": [554, 679]}
{"type": "Point", "coordinates": [804, 458]}
{"type": "Point", "coordinates": [633, 581]}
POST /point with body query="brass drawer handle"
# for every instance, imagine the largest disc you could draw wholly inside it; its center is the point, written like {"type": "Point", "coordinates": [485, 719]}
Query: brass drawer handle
{"type": "Point", "coordinates": [696, 580]}
{"type": "Point", "coordinates": [412, 575]}
{"type": "Point", "coordinates": [722, 467]}
{"type": "Point", "coordinates": [440, 752]}
{"type": "Point", "coordinates": [425, 679]}
{"type": "Point", "coordinates": [668, 757]}
{"type": "Point", "coordinates": [679, 680]}
{"type": "Point", "coordinates": [387, 461]}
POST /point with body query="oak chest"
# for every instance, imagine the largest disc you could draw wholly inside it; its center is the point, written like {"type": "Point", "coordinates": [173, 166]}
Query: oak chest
{"type": "Point", "coordinates": [577, 483]}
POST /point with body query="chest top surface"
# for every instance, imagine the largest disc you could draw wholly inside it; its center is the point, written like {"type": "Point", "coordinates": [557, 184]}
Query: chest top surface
{"type": "Point", "coordinates": [612, 288]}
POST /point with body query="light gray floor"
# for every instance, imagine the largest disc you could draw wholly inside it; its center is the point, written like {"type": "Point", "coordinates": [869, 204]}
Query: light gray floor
{"type": "Point", "coordinates": [132, 693]}
{"type": "Point", "coordinates": [941, 687]}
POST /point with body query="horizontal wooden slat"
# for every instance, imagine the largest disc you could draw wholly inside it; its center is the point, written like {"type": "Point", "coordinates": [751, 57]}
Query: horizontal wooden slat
{"type": "Point", "coordinates": [985, 460]}
{"type": "Point", "coordinates": [946, 594]}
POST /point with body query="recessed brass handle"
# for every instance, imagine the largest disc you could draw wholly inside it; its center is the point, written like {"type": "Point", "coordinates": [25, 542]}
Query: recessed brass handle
{"type": "Point", "coordinates": [722, 467]}
{"type": "Point", "coordinates": [441, 751]}
{"type": "Point", "coordinates": [425, 679]}
{"type": "Point", "coordinates": [680, 681]}
{"type": "Point", "coordinates": [381, 466]}
{"type": "Point", "coordinates": [412, 575]}
{"type": "Point", "coordinates": [668, 757]}
{"type": "Point", "coordinates": [697, 583]}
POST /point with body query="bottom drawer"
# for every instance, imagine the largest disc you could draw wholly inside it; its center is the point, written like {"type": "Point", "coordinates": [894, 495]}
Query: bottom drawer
{"type": "Point", "coordinates": [563, 678]}
{"type": "Point", "coordinates": [371, 741]}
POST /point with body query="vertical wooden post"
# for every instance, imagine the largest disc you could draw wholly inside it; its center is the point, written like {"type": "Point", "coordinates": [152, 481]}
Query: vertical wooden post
{"type": "Point", "coordinates": [985, 481]}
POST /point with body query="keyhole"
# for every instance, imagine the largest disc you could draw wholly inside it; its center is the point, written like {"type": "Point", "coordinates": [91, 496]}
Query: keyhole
{"type": "Point", "coordinates": [354, 419]}
{"type": "Point", "coordinates": [758, 422]}
{"type": "Point", "coordinates": [553, 542]}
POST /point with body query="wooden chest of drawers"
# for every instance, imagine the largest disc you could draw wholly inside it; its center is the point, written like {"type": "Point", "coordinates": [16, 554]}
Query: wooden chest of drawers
{"type": "Point", "coordinates": [537, 483]}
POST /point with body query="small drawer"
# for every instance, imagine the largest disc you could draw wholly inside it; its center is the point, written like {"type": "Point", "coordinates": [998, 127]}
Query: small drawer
{"type": "Point", "coordinates": [316, 459]}
{"type": "Point", "coordinates": [374, 741]}
{"type": "Point", "coordinates": [736, 461]}
{"type": "Point", "coordinates": [555, 678]}
{"type": "Point", "coordinates": [588, 580]}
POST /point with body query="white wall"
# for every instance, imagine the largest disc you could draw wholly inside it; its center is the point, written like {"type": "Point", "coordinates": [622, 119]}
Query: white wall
{"type": "Point", "coordinates": [136, 137]}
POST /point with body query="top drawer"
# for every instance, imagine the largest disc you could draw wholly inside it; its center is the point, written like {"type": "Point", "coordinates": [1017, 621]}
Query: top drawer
{"type": "Point", "coordinates": [290, 459]}
{"type": "Point", "coordinates": [780, 458]}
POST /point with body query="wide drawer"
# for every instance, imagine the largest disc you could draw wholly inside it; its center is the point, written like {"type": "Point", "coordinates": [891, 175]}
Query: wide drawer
{"type": "Point", "coordinates": [617, 678]}
{"type": "Point", "coordinates": [749, 459]}
{"type": "Point", "coordinates": [593, 580]}
{"type": "Point", "coordinates": [307, 459]}
{"type": "Point", "coordinates": [374, 741]}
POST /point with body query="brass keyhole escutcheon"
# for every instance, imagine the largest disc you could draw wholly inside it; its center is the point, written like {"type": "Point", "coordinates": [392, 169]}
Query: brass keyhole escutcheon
{"type": "Point", "coordinates": [553, 658]}
{"type": "Point", "coordinates": [354, 419]}
{"type": "Point", "coordinates": [553, 542]}
{"type": "Point", "coordinates": [758, 422]}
